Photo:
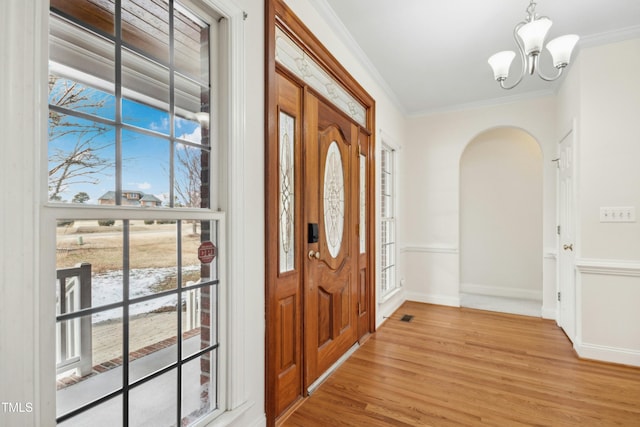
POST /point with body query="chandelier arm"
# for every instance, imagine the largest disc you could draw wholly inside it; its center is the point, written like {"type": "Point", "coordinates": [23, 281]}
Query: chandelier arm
{"type": "Point", "coordinates": [523, 58]}
{"type": "Point", "coordinates": [550, 79]}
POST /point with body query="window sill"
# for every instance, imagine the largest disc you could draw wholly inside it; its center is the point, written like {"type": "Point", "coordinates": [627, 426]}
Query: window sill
{"type": "Point", "coordinates": [386, 297]}
{"type": "Point", "coordinates": [227, 418]}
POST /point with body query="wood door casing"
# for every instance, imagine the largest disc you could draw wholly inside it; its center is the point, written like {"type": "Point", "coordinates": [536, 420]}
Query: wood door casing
{"type": "Point", "coordinates": [286, 340]}
{"type": "Point", "coordinates": [331, 280]}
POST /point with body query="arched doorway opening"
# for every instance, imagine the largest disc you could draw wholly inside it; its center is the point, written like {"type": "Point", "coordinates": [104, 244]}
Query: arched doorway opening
{"type": "Point", "coordinates": [501, 218]}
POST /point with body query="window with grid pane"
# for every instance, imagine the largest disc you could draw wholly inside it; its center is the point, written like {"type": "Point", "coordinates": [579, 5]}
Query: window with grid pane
{"type": "Point", "coordinates": [137, 303]}
{"type": "Point", "coordinates": [388, 224]}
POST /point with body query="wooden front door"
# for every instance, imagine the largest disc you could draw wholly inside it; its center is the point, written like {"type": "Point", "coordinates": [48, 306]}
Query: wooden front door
{"type": "Point", "coordinates": [331, 214]}
{"type": "Point", "coordinates": [319, 207]}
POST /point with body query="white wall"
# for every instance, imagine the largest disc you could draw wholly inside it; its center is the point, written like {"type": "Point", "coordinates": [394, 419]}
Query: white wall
{"type": "Point", "coordinates": [501, 215]}
{"type": "Point", "coordinates": [431, 177]}
{"type": "Point", "coordinates": [605, 101]}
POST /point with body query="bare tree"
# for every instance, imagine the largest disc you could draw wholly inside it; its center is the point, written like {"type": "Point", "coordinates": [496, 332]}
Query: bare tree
{"type": "Point", "coordinates": [188, 182]}
{"type": "Point", "coordinates": [81, 163]}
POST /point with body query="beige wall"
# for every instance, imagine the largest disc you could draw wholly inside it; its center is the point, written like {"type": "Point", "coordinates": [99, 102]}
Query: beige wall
{"type": "Point", "coordinates": [431, 194]}
{"type": "Point", "coordinates": [605, 102]}
{"type": "Point", "coordinates": [501, 215]}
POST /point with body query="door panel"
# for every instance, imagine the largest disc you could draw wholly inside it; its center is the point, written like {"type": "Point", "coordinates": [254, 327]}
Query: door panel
{"type": "Point", "coordinates": [566, 251]}
{"type": "Point", "coordinates": [364, 290]}
{"type": "Point", "coordinates": [284, 349]}
{"type": "Point", "coordinates": [330, 287]}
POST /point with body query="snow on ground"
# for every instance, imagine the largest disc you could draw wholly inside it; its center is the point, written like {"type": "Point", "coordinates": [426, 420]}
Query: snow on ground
{"type": "Point", "coordinates": [107, 289]}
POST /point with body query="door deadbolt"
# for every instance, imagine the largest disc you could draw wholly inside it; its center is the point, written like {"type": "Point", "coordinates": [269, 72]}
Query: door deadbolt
{"type": "Point", "coordinates": [314, 255]}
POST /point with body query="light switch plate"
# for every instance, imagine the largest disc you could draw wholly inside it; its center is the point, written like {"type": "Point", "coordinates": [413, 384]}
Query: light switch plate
{"type": "Point", "coordinates": [618, 214]}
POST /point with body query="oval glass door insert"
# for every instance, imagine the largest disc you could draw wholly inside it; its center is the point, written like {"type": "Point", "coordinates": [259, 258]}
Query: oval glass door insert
{"type": "Point", "coordinates": [333, 199]}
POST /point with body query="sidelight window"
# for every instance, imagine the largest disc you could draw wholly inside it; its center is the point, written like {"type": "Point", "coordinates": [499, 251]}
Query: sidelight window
{"type": "Point", "coordinates": [388, 221]}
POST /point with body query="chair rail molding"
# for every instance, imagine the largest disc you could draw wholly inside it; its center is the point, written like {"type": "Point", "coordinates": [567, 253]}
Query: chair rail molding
{"type": "Point", "coordinates": [434, 249]}
{"type": "Point", "coordinates": [609, 267]}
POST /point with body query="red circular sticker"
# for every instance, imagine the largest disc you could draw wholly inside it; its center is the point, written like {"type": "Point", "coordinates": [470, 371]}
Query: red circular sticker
{"type": "Point", "coordinates": [206, 252]}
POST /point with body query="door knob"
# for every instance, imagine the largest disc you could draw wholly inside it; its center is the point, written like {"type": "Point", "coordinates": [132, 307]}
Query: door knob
{"type": "Point", "coordinates": [568, 247]}
{"type": "Point", "coordinates": [314, 255]}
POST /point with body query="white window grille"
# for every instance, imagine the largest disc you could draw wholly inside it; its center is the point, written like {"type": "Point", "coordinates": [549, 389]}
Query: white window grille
{"type": "Point", "coordinates": [388, 221]}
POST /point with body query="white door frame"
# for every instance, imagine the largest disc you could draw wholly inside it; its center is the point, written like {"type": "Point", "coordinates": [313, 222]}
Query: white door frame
{"type": "Point", "coordinates": [567, 243]}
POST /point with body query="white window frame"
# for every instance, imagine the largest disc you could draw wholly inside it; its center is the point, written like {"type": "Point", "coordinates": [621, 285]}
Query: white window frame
{"type": "Point", "coordinates": [386, 294]}
{"type": "Point", "coordinates": [230, 212]}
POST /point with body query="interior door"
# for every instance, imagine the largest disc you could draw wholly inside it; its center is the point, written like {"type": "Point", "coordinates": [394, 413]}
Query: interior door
{"type": "Point", "coordinates": [566, 250]}
{"type": "Point", "coordinates": [331, 212]}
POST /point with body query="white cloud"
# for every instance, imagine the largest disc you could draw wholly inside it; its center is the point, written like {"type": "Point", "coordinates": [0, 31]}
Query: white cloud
{"type": "Point", "coordinates": [144, 186]}
{"type": "Point", "coordinates": [195, 136]}
{"type": "Point", "coordinates": [163, 126]}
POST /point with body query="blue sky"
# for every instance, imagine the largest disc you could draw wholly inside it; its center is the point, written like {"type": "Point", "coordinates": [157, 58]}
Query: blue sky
{"type": "Point", "coordinates": [145, 158]}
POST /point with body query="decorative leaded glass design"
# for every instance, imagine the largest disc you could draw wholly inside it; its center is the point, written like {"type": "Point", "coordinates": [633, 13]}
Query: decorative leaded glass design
{"type": "Point", "coordinates": [287, 206]}
{"type": "Point", "coordinates": [333, 199]}
{"type": "Point", "coordinates": [363, 204]}
{"type": "Point", "coordinates": [297, 61]}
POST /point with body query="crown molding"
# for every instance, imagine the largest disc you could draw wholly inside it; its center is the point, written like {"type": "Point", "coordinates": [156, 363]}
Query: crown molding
{"type": "Point", "coordinates": [492, 102]}
{"type": "Point", "coordinates": [607, 37]}
{"type": "Point", "coordinates": [337, 26]}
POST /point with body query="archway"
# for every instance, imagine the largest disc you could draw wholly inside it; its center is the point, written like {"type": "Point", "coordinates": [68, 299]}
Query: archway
{"type": "Point", "coordinates": [501, 222]}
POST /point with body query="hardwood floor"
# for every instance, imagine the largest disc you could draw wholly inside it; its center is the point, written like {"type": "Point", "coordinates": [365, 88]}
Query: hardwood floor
{"type": "Point", "coordinates": [457, 366]}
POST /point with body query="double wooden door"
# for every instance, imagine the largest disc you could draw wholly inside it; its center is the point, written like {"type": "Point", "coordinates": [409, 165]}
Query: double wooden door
{"type": "Point", "coordinates": [318, 296]}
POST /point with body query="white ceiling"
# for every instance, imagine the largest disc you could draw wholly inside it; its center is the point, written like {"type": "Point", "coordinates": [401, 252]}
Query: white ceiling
{"type": "Point", "coordinates": [432, 55]}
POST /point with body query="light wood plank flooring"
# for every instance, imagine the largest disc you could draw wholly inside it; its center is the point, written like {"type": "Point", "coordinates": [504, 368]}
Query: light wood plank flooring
{"type": "Point", "coordinates": [458, 366]}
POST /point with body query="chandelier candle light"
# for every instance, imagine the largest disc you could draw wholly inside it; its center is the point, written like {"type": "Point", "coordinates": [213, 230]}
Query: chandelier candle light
{"type": "Point", "coordinates": [529, 36]}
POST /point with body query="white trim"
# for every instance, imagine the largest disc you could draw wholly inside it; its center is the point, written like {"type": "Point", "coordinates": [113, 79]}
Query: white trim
{"type": "Point", "coordinates": [433, 299]}
{"type": "Point", "coordinates": [501, 291]}
{"type": "Point", "coordinates": [226, 418]}
{"type": "Point", "coordinates": [550, 254]}
{"type": "Point", "coordinates": [389, 140]}
{"type": "Point", "coordinates": [431, 249]}
{"type": "Point", "coordinates": [485, 103]}
{"type": "Point", "coordinates": [549, 313]}
{"type": "Point", "coordinates": [392, 293]}
{"type": "Point", "coordinates": [389, 306]}
{"type": "Point", "coordinates": [614, 36]}
{"type": "Point", "coordinates": [232, 31]}
{"type": "Point", "coordinates": [609, 267]}
{"type": "Point", "coordinates": [608, 354]}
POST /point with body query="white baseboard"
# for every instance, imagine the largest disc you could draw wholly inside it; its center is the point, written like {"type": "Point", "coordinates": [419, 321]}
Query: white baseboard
{"type": "Point", "coordinates": [608, 354]}
{"type": "Point", "coordinates": [388, 307]}
{"type": "Point", "coordinates": [433, 299]}
{"type": "Point", "coordinates": [549, 313]}
{"type": "Point", "coordinates": [499, 291]}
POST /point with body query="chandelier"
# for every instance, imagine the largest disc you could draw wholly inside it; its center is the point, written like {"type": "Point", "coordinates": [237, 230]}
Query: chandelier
{"type": "Point", "coordinates": [529, 36]}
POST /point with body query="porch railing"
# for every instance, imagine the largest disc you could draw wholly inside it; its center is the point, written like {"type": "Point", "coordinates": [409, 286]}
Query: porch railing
{"type": "Point", "coordinates": [73, 337]}
{"type": "Point", "coordinates": [193, 308]}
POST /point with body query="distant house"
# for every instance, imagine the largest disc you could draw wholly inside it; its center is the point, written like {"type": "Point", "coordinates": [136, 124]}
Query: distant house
{"type": "Point", "coordinates": [130, 198]}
